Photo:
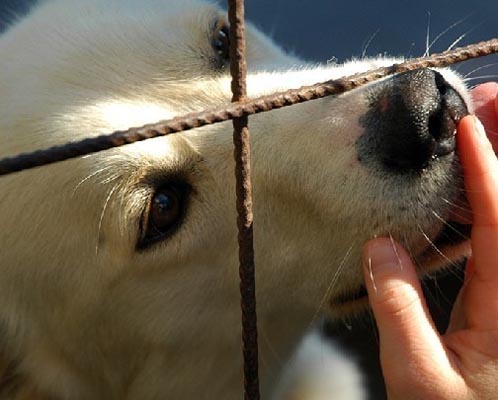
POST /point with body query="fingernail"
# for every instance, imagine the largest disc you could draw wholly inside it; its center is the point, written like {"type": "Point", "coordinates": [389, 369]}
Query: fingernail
{"type": "Point", "coordinates": [381, 259]}
{"type": "Point", "coordinates": [479, 130]}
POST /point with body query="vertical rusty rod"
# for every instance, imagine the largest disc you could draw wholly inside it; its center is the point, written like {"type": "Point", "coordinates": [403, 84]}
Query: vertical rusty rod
{"type": "Point", "coordinates": [244, 203]}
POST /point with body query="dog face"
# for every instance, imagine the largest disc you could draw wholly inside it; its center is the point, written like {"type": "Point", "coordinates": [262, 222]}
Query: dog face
{"type": "Point", "coordinates": [127, 259]}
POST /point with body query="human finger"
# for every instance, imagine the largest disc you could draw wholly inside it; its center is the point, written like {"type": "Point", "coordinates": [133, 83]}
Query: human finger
{"type": "Point", "coordinates": [480, 168]}
{"type": "Point", "coordinates": [406, 331]}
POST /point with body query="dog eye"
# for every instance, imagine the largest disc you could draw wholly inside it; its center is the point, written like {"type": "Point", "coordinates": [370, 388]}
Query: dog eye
{"type": "Point", "coordinates": [221, 40]}
{"type": "Point", "coordinates": [164, 209]}
{"type": "Point", "coordinates": [163, 214]}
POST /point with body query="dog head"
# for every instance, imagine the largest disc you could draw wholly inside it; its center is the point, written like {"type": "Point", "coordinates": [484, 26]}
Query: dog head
{"type": "Point", "coordinates": [135, 247]}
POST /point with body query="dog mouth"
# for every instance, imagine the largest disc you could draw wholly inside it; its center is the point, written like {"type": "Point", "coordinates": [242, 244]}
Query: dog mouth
{"type": "Point", "coordinates": [351, 300]}
{"type": "Point", "coordinates": [451, 245]}
{"type": "Point", "coordinates": [452, 234]}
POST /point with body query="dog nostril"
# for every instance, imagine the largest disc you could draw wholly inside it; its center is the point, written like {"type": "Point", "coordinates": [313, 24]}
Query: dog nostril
{"type": "Point", "coordinates": [415, 115]}
{"type": "Point", "coordinates": [435, 124]}
{"type": "Point", "coordinates": [441, 83]}
{"type": "Point", "coordinates": [443, 129]}
{"type": "Point", "coordinates": [444, 119]}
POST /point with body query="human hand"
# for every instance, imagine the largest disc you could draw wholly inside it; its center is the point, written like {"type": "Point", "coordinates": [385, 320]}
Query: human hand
{"type": "Point", "coordinates": [418, 362]}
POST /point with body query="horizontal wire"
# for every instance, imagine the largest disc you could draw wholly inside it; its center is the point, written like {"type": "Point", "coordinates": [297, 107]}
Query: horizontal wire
{"type": "Point", "coordinates": [236, 110]}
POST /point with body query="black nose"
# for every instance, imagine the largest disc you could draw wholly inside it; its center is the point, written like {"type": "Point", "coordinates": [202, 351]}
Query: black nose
{"type": "Point", "coordinates": [412, 119]}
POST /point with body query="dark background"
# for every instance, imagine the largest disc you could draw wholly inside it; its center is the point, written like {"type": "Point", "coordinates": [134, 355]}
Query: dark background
{"type": "Point", "coordinates": [322, 30]}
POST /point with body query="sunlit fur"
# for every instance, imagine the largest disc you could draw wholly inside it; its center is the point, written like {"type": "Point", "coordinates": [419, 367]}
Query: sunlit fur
{"type": "Point", "coordinates": [83, 313]}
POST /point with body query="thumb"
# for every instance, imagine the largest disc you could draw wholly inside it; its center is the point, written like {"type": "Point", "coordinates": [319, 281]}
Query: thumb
{"type": "Point", "coordinates": [409, 340]}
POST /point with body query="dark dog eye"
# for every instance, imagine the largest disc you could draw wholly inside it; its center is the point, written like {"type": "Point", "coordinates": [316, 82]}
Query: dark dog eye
{"type": "Point", "coordinates": [163, 214]}
{"type": "Point", "coordinates": [221, 40]}
{"type": "Point", "coordinates": [165, 209]}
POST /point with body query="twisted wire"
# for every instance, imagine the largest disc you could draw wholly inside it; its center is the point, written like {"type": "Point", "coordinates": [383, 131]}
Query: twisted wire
{"type": "Point", "coordinates": [239, 109]}
{"type": "Point", "coordinates": [242, 154]}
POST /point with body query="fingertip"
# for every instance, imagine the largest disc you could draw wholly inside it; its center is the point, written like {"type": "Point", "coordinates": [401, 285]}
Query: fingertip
{"type": "Point", "coordinates": [480, 168]}
{"type": "Point", "coordinates": [464, 131]}
{"type": "Point", "coordinates": [390, 276]}
{"type": "Point", "coordinates": [474, 148]}
{"type": "Point", "coordinates": [384, 255]}
{"type": "Point", "coordinates": [485, 102]}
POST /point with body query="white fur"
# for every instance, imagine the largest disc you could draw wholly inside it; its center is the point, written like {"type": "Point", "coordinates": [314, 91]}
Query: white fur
{"type": "Point", "coordinates": [320, 371]}
{"type": "Point", "coordinates": [84, 313]}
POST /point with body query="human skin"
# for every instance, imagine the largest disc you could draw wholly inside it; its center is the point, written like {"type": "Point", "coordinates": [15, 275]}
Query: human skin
{"type": "Point", "coordinates": [462, 364]}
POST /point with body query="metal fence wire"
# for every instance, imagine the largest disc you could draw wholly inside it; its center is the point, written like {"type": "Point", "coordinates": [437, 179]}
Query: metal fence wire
{"type": "Point", "coordinates": [238, 69]}
{"type": "Point", "coordinates": [238, 109]}
{"type": "Point", "coordinates": [239, 112]}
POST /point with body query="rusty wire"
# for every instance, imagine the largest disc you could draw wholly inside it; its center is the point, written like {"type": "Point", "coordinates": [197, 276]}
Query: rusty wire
{"type": "Point", "coordinates": [242, 154]}
{"type": "Point", "coordinates": [237, 110]}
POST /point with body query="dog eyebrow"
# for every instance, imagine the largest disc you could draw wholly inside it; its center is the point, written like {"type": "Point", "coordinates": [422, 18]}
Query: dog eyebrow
{"type": "Point", "coordinates": [159, 178]}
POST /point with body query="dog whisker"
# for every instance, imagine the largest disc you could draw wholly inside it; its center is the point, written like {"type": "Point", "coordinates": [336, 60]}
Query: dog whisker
{"type": "Point", "coordinates": [335, 279]}
{"type": "Point", "coordinates": [395, 250]}
{"type": "Point", "coordinates": [440, 294]}
{"type": "Point", "coordinates": [481, 77]}
{"type": "Point", "coordinates": [465, 210]}
{"type": "Point", "coordinates": [109, 179]}
{"type": "Point", "coordinates": [436, 295]}
{"type": "Point", "coordinates": [410, 252]}
{"type": "Point", "coordinates": [428, 35]}
{"type": "Point", "coordinates": [368, 42]}
{"type": "Point", "coordinates": [455, 43]}
{"type": "Point", "coordinates": [463, 236]}
{"type": "Point", "coordinates": [434, 247]}
{"type": "Point", "coordinates": [480, 68]}
{"type": "Point", "coordinates": [440, 35]}
{"type": "Point", "coordinates": [80, 183]}
{"type": "Point", "coordinates": [371, 275]}
{"type": "Point", "coordinates": [273, 351]}
{"type": "Point", "coordinates": [461, 37]}
{"type": "Point", "coordinates": [456, 205]}
{"type": "Point", "coordinates": [109, 196]}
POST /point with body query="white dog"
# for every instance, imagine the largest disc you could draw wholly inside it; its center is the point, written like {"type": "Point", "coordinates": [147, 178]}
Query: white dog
{"type": "Point", "coordinates": [119, 271]}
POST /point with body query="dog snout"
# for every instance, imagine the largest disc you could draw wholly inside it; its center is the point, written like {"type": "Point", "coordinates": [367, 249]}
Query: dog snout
{"type": "Point", "coordinates": [414, 116]}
